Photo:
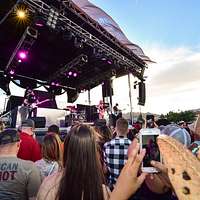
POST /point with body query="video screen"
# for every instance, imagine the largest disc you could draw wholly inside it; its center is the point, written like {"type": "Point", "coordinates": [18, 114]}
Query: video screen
{"type": "Point", "coordinates": [152, 150]}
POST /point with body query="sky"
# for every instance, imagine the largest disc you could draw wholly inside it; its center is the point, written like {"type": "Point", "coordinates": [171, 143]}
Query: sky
{"type": "Point", "coordinates": [169, 33]}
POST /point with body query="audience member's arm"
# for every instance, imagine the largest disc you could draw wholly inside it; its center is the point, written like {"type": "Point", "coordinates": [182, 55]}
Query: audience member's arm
{"type": "Point", "coordinates": [129, 181]}
{"type": "Point", "coordinates": [34, 182]}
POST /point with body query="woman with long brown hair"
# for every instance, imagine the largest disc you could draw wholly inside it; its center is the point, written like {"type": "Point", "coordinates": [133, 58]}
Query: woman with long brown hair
{"type": "Point", "coordinates": [82, 177]}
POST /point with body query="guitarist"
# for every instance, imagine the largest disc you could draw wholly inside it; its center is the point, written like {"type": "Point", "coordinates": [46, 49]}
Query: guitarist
{"type": "Point", "coordinates": [27, 108]}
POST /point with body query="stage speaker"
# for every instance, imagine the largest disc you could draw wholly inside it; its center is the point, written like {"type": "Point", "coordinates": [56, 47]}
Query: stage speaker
{"type": "Point", "coordinates": [107, 88]}
{"type": "Point", "coordinates": [72, 95]}
{"type": "Point", "coordinates": [13, 102]}
{"type": "Point", "coordinates": [4, 84]}
{"type": "Point", "coordinates": [142, 94]}
{"type": "Point", "coordinates": [40, 122]}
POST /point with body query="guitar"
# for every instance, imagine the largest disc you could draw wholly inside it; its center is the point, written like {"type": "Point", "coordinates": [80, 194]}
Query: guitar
{"type": "Point", "coordinates": [35, 105]}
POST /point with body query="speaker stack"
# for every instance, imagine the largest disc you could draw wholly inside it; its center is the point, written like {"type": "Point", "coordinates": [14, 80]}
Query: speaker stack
{"type": "Point", "coordinates": [142, 94]}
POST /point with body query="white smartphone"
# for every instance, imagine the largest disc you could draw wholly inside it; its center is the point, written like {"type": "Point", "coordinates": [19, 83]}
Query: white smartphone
{"type": "Point", "coordinates": [148, 138]}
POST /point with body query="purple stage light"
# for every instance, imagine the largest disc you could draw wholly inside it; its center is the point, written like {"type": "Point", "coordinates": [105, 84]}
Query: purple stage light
{"type": "Point", "coordinates": [39, 24]}
{"type": "Point", "coordinates": [70, 73]}
{"type": "Point", "coordinates": [103, 59]}
{"type": "Point", "coordinates": [57, 84]}
{"type": "Point", "coordinates": [109, 62]}
{"type": "Point", "coordinates": [12, 72]}
{"type": "Point", "coordinates": [75, 74]}
{"type": "Point", "coordinates": [53, 83]}
{"type": "Point", "coordinates": [19, 61]}
{"type": "Point", "coordinates": [22, 55]}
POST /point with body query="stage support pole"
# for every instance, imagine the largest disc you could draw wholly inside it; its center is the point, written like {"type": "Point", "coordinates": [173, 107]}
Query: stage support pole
{"type": "Point", "coordinates": [111, 103]}
{"type": "Point", "coordinates": [130, 98]}
{"type": "Point", "coordinates": [89, 98]}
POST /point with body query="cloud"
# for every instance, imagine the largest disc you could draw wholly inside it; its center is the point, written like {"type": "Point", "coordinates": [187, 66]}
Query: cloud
{"type": "Point", "coordinates": [174, 82]}
{"type": "Point", "coordinates": [174, 75]}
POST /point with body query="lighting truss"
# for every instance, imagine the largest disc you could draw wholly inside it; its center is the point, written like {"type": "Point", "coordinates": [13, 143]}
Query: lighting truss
{"type": "Point", "coordinates": [91, 40]}
{"type": "Point", "coordinates": [76, 62]}
{"type": "Point", "coordinates": [26, 42]}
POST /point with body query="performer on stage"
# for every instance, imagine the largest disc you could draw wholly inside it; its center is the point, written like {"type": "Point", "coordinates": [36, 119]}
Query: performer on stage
{"type": "Point", "coordinates": [117, 113]}
{"type": "Point", "coordinates": [28, 107]}
{"type": "Point", "coordinates": [101, 109]}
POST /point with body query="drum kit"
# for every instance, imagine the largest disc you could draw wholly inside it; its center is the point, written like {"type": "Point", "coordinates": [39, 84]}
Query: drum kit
{"type": "Point", "coordinates": [75, 114]}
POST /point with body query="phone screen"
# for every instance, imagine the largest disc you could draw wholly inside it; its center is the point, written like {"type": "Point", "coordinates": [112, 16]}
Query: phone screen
{"type": "Point", "coordinates": [152, 150]}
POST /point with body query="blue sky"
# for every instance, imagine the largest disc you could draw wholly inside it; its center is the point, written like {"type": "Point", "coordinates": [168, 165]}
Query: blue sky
{"type": "Point", "coordinates": [168, 22]}
{"type": "Point", "coordinates": [169, 32]}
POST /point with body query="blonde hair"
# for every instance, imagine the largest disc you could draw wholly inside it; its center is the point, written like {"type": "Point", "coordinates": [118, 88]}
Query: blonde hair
{"type": "Point", "coordinates": [2, 126]}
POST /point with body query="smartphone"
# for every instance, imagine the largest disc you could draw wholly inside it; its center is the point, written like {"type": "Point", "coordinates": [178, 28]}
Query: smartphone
{"type": "Point", "coordinates": [148, 137]}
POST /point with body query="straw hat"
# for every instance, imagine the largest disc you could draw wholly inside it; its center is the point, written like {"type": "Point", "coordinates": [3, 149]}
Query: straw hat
{"type": "Point", "coordinates": [183, 168]}
{"type": "Point", "coordinates": [197, 125]}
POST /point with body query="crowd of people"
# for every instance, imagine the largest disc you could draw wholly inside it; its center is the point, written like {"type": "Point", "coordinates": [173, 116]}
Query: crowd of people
{"type": "Point", "coordinates": [91, 163]}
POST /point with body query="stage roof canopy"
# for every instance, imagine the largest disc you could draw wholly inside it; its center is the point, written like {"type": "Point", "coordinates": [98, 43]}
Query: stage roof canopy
{"type": "Point", "coordinates": [70, 44]}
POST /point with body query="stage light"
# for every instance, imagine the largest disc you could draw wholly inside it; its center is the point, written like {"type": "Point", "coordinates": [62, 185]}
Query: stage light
{"type": "Point", "coordinates": [19, 61]}
{"type": "Point", "coordinates": [70, 73]}
{"type": "Point", "coordinates": [12, 72]}
{"type": "Point", "coordinates": [75, 74]}
{"type": "Point", "coordinates": [109, 62]}
{"type": "Point", "coordinates": [39, 23]}
{"type": "Point", "coordinates": [21, 14]}
{"type": "Point", "coordinates": [22, 55]}
{"type": "Point", "coordinates": [52, 18]}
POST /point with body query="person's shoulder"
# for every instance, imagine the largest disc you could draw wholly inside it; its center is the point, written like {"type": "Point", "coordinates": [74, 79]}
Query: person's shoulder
{"type": "Point", "coordinates": [26, 162]}
{"type": "Point", "coordinates": [27, 165]}
{"type": "Point", "coordinates": [53, 179]}
{"type": "Point", "coordinates": [49, 187]}
{"type": "Point", "coordinates": [128, 141]}
{"type": "Point", "coordinates": [40, 162]}
{"type": "Point", "coordinates": [109, 143]}
{"type": "Point", "coordinates": [25, 137]}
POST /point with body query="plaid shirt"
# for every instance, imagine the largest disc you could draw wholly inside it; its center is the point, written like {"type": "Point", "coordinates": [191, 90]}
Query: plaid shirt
{"type": "Point", "coordinates": [115, 156]}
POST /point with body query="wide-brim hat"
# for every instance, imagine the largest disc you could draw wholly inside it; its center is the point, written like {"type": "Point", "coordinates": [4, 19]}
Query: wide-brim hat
{"type": "Point", "coordinates": [183, 168]}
